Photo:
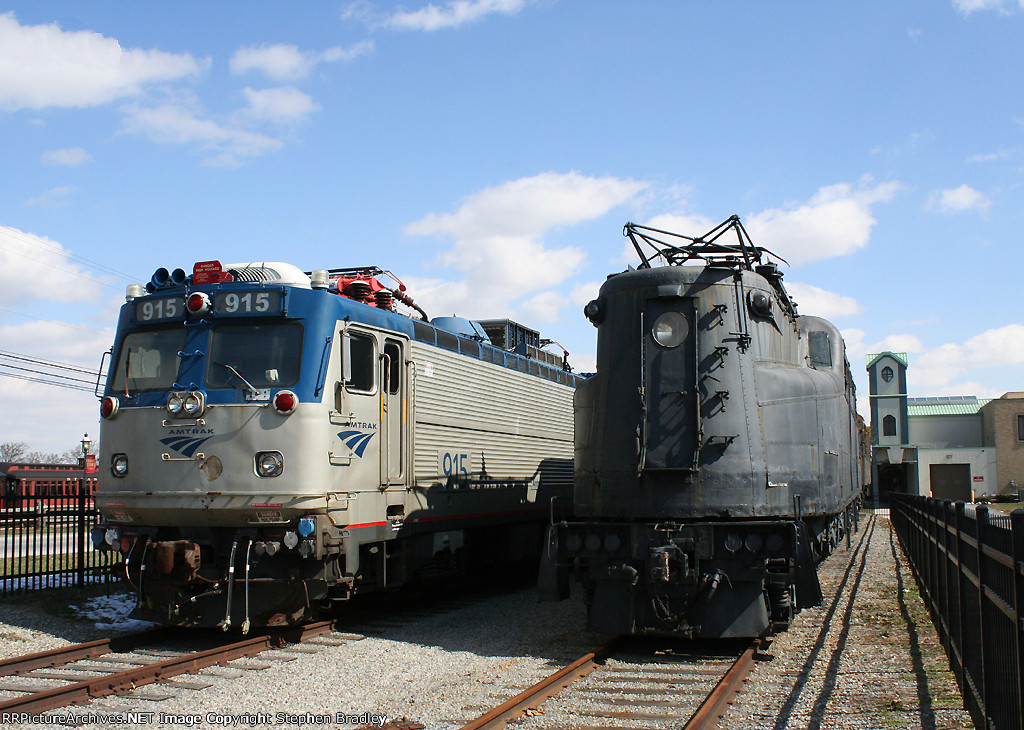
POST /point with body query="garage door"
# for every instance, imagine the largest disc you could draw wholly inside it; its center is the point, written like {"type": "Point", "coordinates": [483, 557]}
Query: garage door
{"type": "Point", "coordinates": [951, 481]}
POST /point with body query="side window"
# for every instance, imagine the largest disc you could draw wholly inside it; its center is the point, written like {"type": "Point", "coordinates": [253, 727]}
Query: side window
{"type": "Point", "coordinates": [363, 351]}
{"type": "Point", "coordinates": [393, 352]}
{"type": "Point", "coordinates": [820, 349]}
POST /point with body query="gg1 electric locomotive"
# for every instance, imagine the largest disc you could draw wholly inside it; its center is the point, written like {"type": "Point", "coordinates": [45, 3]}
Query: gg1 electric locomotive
{"type": "Point", "coordinates": [716, 452]}
{"type": "Point", "coordinates": [273, 441]}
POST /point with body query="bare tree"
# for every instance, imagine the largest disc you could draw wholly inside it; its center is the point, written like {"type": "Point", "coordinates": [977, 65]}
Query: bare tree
{"type": "Point", "coordinates": [18, 451]}
{"type": "Point", "coordinates": [13, 451]}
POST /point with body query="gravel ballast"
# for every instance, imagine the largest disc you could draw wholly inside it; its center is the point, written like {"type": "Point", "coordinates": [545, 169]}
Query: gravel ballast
{"type": "Point", "coordinates": [871, 663]}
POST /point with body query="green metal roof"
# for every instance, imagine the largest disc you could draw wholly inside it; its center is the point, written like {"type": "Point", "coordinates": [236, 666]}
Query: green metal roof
{"type": "Point", "coordinates": [956, 405]}
{"type": "Point", "coordinates": [900, 357]}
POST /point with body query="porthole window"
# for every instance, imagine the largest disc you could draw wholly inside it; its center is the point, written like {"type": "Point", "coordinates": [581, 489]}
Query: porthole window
{"type": "Point", "coordinates": [887, 373]}
{"type": "Point", "coordinates": [670, 329]}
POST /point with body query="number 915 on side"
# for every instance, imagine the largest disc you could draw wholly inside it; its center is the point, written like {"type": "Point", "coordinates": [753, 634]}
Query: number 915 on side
{"type": "Point", "coordinates": [454, 464]}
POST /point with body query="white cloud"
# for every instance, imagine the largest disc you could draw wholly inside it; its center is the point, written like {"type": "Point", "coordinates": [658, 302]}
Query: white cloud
{"type": "Point", "coordinates": [498, 234]}
{"type": "Point", "coordinates": [544, 306]}
{"type": "Point", "coordinates": [175, 123]}
{"type": "Point", "coordinates": [452, 14]}
{"type": "Point", "coordinates": [898, 343]}
{"type": "Point", "coordinates": [52, 198]}
{"type": "Point", "coordinates": [959, 199]}
{"type": "Point", "coordinates": [71, 157]}
{"type": "Point", "coordinates": [585, 292]}
{"type": "Point", "coordinates": [820, 302]}
{"type": "Point", "coordinates": [283, 62]}
{"type": "Point", "coordinates": [43, 66]}
{"type": "Point", "coordinates": [948, 368]}
{"type": "Point", "coordinates": [27, 268]}
{"type": "Point", "coordinates": [51, 418]}
{"type": "Point", "coordinates": [283, 104]}
{"type": "Point", "coordinates": [1003, 6]}
{"type": "Point", "coordinates": [836, 221]}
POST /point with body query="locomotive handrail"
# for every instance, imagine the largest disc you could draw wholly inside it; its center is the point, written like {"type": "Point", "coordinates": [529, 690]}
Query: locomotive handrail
{"type": "Point", "coordinates": [99, 372]}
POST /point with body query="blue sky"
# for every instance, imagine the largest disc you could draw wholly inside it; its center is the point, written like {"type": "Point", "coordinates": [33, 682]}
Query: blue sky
{"type": "Point", "coordinates": [489, 151]}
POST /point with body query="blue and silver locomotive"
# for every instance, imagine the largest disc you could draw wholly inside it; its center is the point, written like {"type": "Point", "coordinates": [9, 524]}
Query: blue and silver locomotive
{"type": "Point", "coordinates": [716, 452]}
{"type": "Point", "coordinates": [273, 441]}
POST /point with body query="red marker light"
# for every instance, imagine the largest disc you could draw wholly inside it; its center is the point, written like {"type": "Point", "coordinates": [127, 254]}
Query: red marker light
{"type": "Point", "coordinates": [285, 402]}
{"type": "Point", "coordinates": [108, 407]}
{"type": "Point", "coordinates": [197, 303]}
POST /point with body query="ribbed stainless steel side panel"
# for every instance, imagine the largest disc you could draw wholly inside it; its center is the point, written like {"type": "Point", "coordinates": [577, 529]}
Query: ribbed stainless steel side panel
{"type": "Point", "coordinates": [508, 423]}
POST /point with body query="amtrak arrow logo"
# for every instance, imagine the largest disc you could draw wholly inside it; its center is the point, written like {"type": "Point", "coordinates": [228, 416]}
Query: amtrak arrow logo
{"type": "Point", "coordinates": [356, 440]}
{"type": "Point", "coordinates": [185, 445]}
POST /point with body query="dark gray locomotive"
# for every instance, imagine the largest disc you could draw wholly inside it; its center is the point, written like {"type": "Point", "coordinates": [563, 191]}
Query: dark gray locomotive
{"type": "Point", "coordinates": [715, 448]}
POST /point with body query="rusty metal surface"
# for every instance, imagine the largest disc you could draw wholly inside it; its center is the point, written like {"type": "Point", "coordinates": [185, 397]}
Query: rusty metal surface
{"type": "Point", "coordinates": [88, 650]}
{"type": "Point", "coordinates": [535, 695]}
{"type": "Point", "coordinates": [717, 703]}
{"type": "Point", "coordinates": [680, 684]}
{"type": "Point", "coordinates": [83, 691]}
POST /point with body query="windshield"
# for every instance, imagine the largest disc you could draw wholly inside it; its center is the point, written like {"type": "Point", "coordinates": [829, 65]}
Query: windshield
{"type": "Point", "coordinates": [149, 360]}
{"type": "Point", "coordinates": [261, 356]}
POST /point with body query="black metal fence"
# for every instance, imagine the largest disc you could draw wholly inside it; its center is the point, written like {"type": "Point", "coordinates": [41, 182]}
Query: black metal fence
{"type": "Point", "coordinates": [970, 570]}
{"type": "Point", "coordinates": [45, 542]}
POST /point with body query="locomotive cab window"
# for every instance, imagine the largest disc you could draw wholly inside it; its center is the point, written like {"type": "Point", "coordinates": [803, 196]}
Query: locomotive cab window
{"type": "Point", "coordinates": [149, 360]}
{"type": "Point", "coordinates": [266, 356]}
{"type": "Point", "coordinates": [393, 361]}
{"type": "Point", "coordinates": [360, 368]}
{"type": "Point", "coordinates": [820, 349]}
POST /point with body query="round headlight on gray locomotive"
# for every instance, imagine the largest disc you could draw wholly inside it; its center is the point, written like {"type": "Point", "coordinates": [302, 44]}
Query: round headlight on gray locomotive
{"type": "Point", "coordinates": [670, 329]}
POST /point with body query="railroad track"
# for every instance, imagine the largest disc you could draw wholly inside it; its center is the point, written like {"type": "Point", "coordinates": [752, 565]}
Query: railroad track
{"type": "Point", "coordinates": [119, 665]}
{"type": "Point", "coordinates": [626, 682]}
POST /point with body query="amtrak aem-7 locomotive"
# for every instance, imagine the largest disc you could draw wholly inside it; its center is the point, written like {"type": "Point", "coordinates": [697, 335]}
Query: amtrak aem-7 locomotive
{"type": "Point", "coordinates": [716, 449]}
{"type": "Point", "coordinates": [274, 440]}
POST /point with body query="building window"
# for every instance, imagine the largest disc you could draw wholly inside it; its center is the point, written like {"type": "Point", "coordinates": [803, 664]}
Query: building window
{"type": "Point", "coordinates": [887, 373]}
{"type": "Point", "coordinates": [1020, 428]}
{"type": "Point", "coordinates": [889, 426]}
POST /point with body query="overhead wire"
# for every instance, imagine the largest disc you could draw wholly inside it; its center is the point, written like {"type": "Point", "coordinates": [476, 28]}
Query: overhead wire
{"type": "Point", "coordinates": [56, 248]}
{"type": "Point", "coordinates": [42, 372]}
{"type": "Point", "coordinates": [94, 330]}
{"type": "Point", "coordinates": [69, 386]}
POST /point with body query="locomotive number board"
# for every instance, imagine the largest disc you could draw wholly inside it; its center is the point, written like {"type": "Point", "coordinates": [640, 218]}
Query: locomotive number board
{"type": "Point", "coordinates": [153, 310]}
{"type": "Point", "coordinates": [255, 302]}
{"type": "Point", "coordinates": [250, 302]}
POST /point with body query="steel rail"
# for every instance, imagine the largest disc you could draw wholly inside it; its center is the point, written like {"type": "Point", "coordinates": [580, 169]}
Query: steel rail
{"type": "Point", "coordinates": [117, 682]}
{"type": "Point", "coordinates": [706, 717]}
{"type": "Point", "coordinates": [542, 690]}
{"type": "Point", "coordinates": [77, 652]}
{"type": "Point", "coordinates": [716, 704]}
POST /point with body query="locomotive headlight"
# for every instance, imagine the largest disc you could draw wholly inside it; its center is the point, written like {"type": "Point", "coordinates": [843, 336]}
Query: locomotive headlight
{"type": "Point", "coordinates": [760, 303]}
{"type": "Point", "coordinates": [175, 404]}
{"type": "Point", "coordinates": [119, 465]}
{"type": "Point", "coordinates": [670, 329]}
{"type": "Point", "coordinates": [193, 404]}
{"type": "Point", "coordinates": [269, 463]}
{"type": "Point", "coordinates": [594, 311]}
